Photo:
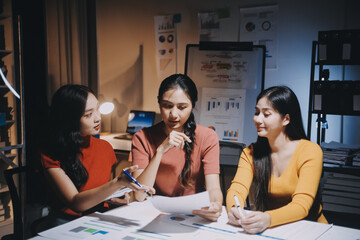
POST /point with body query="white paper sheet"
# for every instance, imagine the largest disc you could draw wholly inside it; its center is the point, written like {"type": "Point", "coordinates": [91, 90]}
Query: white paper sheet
{"type": "Point", "coordinates": [88, 227]}
{"type": "Point", "coordinates": [220, 227]}
{"type": "Point", "coordinates": [291, 231]}
{"type": "Point", "coordinates": [298, 230]}
{"type": "Point", "coordinates": [337, 232]}
{"type": "Point", "coordinates": [183, 205]}
{"type": "Point", "coordinates": [119, 193]}
{"type": "Point", "coordinates": [119, 222]}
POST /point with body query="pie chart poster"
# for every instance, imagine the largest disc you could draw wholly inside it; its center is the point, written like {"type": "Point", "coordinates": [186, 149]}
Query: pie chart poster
{"type": "Point", "coordinates": [259, 25]}
{"type": "Point", "coordinates": [165, 40]}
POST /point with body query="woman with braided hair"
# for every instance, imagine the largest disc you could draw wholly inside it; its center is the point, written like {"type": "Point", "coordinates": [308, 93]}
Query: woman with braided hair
{"type": "Point", "coordinates": [177, 156]}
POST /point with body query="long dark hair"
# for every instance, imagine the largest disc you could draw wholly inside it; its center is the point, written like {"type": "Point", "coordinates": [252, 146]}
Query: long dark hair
{"type": "Point", "coordinates": [63, 140]}
{"type": "Point", "coordinates": [284, 101]}
{"type": "Point", "coordinates": [189, 87]}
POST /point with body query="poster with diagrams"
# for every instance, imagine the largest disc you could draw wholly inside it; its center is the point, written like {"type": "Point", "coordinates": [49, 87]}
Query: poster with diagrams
{"type": "Point", "coordinates": [209, 25]}
{"type": "Point", "coordinates": [228, 76]}
{"type": "Point", "coordinates": [223, 110]}
{"type": "Point", "coordinates": [224, 69]}
{"type": "Point", "coordinates": [165, 39]}
{"type": "Point", "coordinates": [259, 25]}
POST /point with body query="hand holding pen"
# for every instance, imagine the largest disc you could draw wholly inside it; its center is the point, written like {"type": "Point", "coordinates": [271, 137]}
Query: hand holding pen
{"type": "Point", "coordinates": [239, 208]}
{"type": "Point", "coordinates": [236, 213]}
{"type": "Point", "coordinates": [134, 184]}
{"type": "Point", "coordinates": [132, 179]}
{"type": "Point", "coordinates": [253, 222]}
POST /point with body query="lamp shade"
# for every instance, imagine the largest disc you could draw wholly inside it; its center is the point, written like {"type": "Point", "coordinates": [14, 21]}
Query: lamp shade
{"type": "Point", "coordinates": [106, 108]}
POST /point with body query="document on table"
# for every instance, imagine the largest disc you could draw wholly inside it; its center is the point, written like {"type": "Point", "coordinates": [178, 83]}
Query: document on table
{"type": "Point", "coordinates": [221, 226]}
{"type": "Point", "coordinates": [291, 231]}
{"type": "Point", "coordinates": [183, 204]}
{"type": "Point", "coordinates": [298, 230]}
{"type": "Point", "coordinates": [116, 223]}
{"type": "Point", "coordinates": [90, 227]}
{"type": "Point", "coordinates": [142, 220]}
{"type": "Point", "coordinates": [119, 193]}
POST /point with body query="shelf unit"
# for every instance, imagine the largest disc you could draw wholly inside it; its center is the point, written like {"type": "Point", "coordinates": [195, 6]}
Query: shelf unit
{"type": "Point", "coordinates": [12, 147]}
{"type": "Point", "coordinates": [340, 58]}
{"type": "Point", "coordinates": [332, 97]}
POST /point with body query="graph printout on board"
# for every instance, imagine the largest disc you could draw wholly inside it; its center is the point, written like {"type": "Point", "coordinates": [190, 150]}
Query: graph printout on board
{"type": "Point", "coordinates": [222, 109]}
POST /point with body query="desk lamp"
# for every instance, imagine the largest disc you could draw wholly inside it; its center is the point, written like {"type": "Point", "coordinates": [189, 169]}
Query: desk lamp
{"type": "Point", "coordinates": [105, 109]}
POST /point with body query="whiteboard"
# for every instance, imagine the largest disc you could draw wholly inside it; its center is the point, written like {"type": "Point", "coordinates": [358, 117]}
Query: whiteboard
{"type": "Point", "coordinates": [223, 67]}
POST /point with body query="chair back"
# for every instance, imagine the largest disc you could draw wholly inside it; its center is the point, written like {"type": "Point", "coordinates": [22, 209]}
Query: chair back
{"type": "Point", "coordinates": [16, 200]}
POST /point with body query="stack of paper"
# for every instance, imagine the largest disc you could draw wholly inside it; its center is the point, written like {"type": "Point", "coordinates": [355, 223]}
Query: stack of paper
{"type": "Point", "coordinates": [338, 153]}
{"type": "Point", "coordinates": [341, 193]}
{"type": "Point", "coordinates": [356, 160]}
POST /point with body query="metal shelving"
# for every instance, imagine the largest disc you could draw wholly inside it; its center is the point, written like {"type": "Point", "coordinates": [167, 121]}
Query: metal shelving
{"type": "Point", "coordinates": [12, 147]}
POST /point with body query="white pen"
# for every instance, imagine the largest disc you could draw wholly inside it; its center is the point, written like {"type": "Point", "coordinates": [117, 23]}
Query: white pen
{"type": "Point", "coordinates": [238, 206]}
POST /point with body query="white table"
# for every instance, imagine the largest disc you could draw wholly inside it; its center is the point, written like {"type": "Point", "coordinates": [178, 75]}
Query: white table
{"type": "Point", "coordinates": [142, 220]}
{"type": "Point", "coordinates": [117, 144]}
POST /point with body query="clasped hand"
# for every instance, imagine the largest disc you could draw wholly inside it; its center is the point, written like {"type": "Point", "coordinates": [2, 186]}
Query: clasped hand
{"type": "Point", "coordinates": [252, 222]}
{"type": "Point", "coordinates": [175, 139]}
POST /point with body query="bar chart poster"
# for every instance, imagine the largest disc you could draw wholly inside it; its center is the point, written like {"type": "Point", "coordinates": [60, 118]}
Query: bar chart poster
{"type": "Point", "coordinates": [222, 109]}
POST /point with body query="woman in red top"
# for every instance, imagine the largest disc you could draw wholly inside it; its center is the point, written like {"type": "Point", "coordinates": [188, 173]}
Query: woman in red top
{"type": "Point", "coordinates": [78, 166]}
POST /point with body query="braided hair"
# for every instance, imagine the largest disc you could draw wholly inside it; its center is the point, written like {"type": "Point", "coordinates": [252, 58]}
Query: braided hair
{"type": "Point", "coordinates": [189, 87]}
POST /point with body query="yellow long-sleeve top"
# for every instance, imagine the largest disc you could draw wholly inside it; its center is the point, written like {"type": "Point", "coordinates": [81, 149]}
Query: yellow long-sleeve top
{"type": "Point", "coordinates": [292, 194]}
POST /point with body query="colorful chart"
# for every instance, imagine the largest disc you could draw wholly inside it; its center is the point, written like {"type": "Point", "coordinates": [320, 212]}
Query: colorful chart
{"type": "Point", "coordinates": [91, 231]}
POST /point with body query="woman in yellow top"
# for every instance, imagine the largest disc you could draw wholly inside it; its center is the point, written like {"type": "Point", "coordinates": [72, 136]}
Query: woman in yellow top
{"type": "Point", "coordinates": [281, 171]}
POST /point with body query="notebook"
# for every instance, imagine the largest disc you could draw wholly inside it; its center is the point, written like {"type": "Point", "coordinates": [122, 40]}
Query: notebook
{"type": "Point", "coordinates": [137, 120]}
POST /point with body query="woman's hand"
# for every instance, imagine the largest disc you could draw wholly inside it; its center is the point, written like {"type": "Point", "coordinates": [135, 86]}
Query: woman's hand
{"type": "Point", "coordinates": [211, 213]}
{"type": "Point", "coordinates": [125, 181]}
{"type": "Point", "coordinates": [120, 201]}
{"type": "Point", "coordinates": [175, 139]}
{"type": "Point", "coordinates": [253, 222]}
{"type": "Point", "coordinates": [234, 217]}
